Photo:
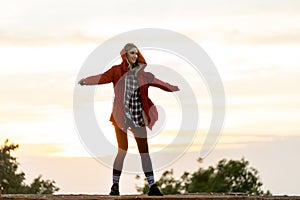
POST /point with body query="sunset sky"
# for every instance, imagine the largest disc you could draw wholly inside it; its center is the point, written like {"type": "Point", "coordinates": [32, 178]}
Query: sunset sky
{"type": "Point", "coordinates": [254, 45]}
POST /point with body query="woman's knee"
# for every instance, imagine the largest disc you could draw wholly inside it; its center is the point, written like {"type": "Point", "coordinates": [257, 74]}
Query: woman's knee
{"type": "Point", "coordinates": [144, 150]}
{"type": "Point", "coordinates": [121, 139]}
{"type": "Point", "coordinates": [123, 147]}
{"type": "Point", "coordinates": [121, 153]}
{"type": "Point", "coordinates": [142, 144]}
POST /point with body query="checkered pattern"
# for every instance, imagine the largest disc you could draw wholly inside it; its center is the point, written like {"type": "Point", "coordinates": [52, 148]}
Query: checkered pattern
{"type": "Point", "coordinates": [133, 102]}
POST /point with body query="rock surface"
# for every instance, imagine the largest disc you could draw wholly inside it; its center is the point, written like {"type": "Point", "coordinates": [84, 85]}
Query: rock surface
{"type": "Point", "coordinates": [200, 196]}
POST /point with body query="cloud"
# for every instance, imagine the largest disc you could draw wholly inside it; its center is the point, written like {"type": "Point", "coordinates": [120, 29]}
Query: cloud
{"type": "Point", "coordinates": [18, 113]}
{"type": "Point", "coordinates": [46, 23]}
{"type": "Point", "coordinates": [37, 89]}
{"type": "Point", "coordinates": [264, 82]}
{"type": "Point", "coordinates": [286, 37]}
{"type": "Point", "coordinates": [48, 40]}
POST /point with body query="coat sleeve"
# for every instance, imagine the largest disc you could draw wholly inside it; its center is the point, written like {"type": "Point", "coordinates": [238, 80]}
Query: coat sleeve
{"type": "Point", "coordinates": [163, 85]}
{"type": "Point", "coordinates": [106, 77]}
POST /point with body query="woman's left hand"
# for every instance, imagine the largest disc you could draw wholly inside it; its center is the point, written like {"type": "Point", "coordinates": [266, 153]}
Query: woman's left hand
{"type": "Point", "coordinates": [82, 81]}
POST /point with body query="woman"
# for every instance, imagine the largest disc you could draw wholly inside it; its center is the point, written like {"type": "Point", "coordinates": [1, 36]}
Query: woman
{"type": "Point", "coordinates": [132, 109]}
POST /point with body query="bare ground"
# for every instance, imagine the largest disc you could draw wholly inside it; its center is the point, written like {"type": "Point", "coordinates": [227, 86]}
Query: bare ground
{"type": "Point", "coordinates": [200, 196]}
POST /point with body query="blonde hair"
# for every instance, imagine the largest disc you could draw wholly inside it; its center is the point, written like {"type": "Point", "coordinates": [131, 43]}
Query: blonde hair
{"type": "Point", "coordinates": [129, 46]}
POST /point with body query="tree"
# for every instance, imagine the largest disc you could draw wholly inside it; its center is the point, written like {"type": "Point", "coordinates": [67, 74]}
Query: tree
{"type": "Point", "coordinates": [227, 176]}
{"type": "Point", "coordinates": [12, 181]}
{"type": "Point", "coordinates": [237, 176]}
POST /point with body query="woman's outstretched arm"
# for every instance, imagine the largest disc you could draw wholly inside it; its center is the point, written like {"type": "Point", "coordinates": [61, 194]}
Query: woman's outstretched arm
{"type": "Point", "coordinates": [163, 85]}
{"type": "Point", "coordinates": [106, 77]}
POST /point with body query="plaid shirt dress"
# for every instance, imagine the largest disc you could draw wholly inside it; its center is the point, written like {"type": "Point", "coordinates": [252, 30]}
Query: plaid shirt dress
{"type": "Point", "coordinates": [133, 102]}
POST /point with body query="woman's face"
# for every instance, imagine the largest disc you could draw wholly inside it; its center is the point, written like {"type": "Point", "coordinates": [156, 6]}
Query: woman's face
{"type": "Point", "coordinates": [132, 55]}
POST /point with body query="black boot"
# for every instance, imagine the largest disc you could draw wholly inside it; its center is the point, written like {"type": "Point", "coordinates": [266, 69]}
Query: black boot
{"type": "Point", "coordinates": [155, 191]}
{"type": "Point", "coordinates": [114, 190]}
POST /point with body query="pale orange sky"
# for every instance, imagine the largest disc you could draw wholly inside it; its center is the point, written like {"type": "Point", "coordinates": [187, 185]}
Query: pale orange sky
{"type": "Point", "coordinates": [254, 45]}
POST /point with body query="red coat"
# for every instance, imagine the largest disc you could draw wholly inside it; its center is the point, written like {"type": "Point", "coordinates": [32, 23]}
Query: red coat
{"type": "Point", "coordinates": [116, 75]}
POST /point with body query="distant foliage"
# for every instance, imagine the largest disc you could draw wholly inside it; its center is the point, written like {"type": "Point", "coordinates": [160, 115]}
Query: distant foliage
{"type": "Point", "coordinates": [227, 176]}
{"type": "Point", "coordinates": [12, 181]}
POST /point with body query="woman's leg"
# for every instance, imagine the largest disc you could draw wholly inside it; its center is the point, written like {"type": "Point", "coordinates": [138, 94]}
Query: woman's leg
{"type": "Point", "coordinates": [122, 149]}
{"type": "Point", "coordinates": [142, 143]}
{"type": "Point", "coordinates": [140, 135]}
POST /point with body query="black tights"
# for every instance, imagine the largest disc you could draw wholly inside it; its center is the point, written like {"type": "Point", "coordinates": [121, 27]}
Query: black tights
{"type": "Point", "coordinates": [140, 138]}
{"type": "Point", "coordinates": [140, 135]}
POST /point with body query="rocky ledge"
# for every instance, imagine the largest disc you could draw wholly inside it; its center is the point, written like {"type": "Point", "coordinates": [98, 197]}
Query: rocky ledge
{"type": "Point", "coordinates": [200, 196]}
